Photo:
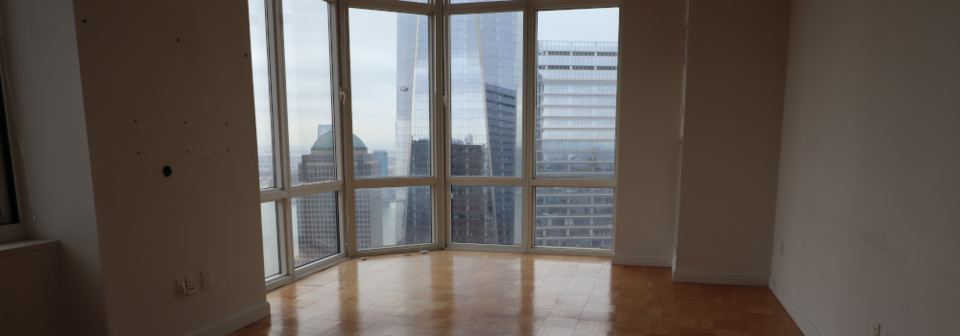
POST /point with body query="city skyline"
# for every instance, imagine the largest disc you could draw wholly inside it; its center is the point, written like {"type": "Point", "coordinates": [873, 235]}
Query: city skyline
{"type": "Point", "coordinates": [299, 18]}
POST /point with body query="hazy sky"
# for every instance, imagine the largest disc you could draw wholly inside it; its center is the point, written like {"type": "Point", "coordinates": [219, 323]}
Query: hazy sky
{"type": "Point", "coordinates": [373, 37]}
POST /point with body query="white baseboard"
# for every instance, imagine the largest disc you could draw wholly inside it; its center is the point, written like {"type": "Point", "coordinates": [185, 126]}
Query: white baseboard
{"type": "Point", "coordinates": [721, 278]}
{"type": "Point", "coordinates": [236, 322]}
{"type": "Point", "coordinates": [642, 260]}
{"type": "Point", "coordinates": [795, 313]}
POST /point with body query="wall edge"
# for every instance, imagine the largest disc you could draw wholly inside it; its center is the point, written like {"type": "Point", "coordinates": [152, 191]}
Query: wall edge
{"type": "Point", "coordinates": [806, 327]}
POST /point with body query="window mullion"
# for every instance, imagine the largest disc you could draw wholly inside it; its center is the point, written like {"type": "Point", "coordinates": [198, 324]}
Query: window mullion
{"type": "Point", "coordinates": [441, 107]}
{"type": "Point", "coordinates": [282, 146]}
{"type": "Point", "coordinates": [529, 121]}
{"type": "Point", "coordinates": [346, 130]}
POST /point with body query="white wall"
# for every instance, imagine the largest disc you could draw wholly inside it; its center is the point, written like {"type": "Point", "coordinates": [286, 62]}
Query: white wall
{"type": "Point", "coordinates": [30, 288]}
{"type": "Point", "coordinates": [651, 73]}
{"type": "Point", "coordinates": [869, 198]}
{"type": "Point", "coordinates": [126, 231]}
{"type": "Point", "coordinates": [47, 100]}
{"type": "Point", "coordinates": [192, 100]}
{"type": "Point", "coordinates": [736, 56]}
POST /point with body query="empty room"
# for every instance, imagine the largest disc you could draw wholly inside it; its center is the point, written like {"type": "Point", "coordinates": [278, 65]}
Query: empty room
{"type": "Point", "coordinates": [480, 167]}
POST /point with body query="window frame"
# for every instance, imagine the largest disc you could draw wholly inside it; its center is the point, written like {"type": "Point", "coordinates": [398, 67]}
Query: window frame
{"type": "Point", "coordinates": [441, 180]}
{"type": "Point", "coordinates": [13, 184]}
{"type": "Point", "coordinates": [432, 181]}
{"type": "Point", "coordinates": [284, 191]}
{"type": "Point", "coordinates": [528, 180]}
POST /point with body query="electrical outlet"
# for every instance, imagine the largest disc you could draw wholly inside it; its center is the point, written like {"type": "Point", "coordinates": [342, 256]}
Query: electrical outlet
{"type": "Point", "coordinates": [190, 283]}
{"type": "Point", "coordinates": [876, 328]}
{"type": "Point", "coordinates": [205, 279]}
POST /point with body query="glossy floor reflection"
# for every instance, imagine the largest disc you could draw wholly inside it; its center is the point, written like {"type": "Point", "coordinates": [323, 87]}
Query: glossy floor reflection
{"type": "Point", "coordinates": [482, 293]}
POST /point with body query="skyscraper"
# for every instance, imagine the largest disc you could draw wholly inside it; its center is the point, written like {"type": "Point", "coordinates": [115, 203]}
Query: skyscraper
{"type": "Point", "coordinates": [413, 215]}
{"type": "Point", "coordinates": [382, 157]}
{"type": "Point", "coordinates": [486, 56]}
{"type": "Point", "coordinates": [575, 138]}
{"type": "Point", "coordinates": [575, 130]}
{"type": "Point", "coordinates": [316, 217]}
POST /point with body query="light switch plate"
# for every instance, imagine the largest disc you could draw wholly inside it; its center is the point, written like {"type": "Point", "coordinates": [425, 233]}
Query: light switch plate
{"type": "Point", "coordinates": [181, 286]}
{"type": "Point", "coordinates": [205, 279]}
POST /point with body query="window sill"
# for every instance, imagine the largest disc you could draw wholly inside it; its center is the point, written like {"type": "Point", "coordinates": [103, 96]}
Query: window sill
{"type": "Point", "coordinates": [26, 245]}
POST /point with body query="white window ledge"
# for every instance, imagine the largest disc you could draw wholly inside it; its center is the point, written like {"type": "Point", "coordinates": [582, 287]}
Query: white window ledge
{"type": "Point", "coordinates": [26, 245]}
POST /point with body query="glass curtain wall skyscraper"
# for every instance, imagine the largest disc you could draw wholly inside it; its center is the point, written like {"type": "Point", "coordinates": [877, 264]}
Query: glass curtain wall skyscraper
{"type": "Point", "coordinates": [575, 138]}
{"type": "Point", "coordinates": [413, 213]}
{"type": "Point", "coordinates": [486, 80]}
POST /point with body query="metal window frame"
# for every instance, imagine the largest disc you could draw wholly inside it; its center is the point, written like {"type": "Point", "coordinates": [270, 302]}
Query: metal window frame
{"type": "Point", "coordinates": [528, 180]}
{"type": "Point", "coordinates": [284, 191]}
{"type": "Point", "coordinates": [351, 184]}
{"type": "Point", "coordinates": [15, 198]}
{"type": "Point", "coordinates": [440, 181]}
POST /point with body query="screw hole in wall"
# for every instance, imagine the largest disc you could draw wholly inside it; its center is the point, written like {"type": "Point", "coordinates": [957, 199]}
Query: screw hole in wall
{"type": "Point", "coordinates": [167, 171]}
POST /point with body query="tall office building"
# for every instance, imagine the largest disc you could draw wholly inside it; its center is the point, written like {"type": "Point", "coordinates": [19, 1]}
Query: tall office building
{"type": "Point", "coordinates": [575, 131]}
{"type": "Point", "coordinates": [316, 216]}
{"type": "Point", "coordinates": [575, 138]}
{"type": "Point", "coordinates": [413, 216]}
{"type": "Point", "coordinates": [382, 157]}
{"type": "Point", "coordinates": [324, 129]}
{"type": "Point", "coordinates": [486, 56]}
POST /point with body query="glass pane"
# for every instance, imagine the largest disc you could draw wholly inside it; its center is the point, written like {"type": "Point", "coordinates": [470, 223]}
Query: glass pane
{"type": "Point", "coordinates": [420, 1]}
{"type": "Point", "coordinates": [271, 239]}
{"type": "Point", "coordinates": [469, 1]}
{"type": "Point", "coordinates": [576, 92]}
{"type": "Point", "coordinates": [390, 71]}
{"type": "Point", "coordinates": [486, 215]}
{"type": "Point", "coordinates": [261, 92]}
{"type": "Point", "coordinates": [315, 230]}
{"type": "Point", "coordinates": [574, 217]}
{"type": "Point", "coordinates": [486, 56]}
{"type": "Point", "coordinates": [393, 216]}
{"type": "Point", "coordinates": [306, 44]}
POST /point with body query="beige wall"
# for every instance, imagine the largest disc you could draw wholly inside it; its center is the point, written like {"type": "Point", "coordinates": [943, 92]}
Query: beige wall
{"type": "Point", "coordinates": [651, 66]}
{"type": "Point", "coordinates": [54, 180]}
{"type": "Point", "coordinates": [30, 288]}
{"type": "Point", "coordinates": [126, 231]}
{"type": "Point", "coordinates": [733, 105]}
{"type": "Point", "coordinates": [869, 199]}
{"type": "Point", "coordinates": [192, 100]}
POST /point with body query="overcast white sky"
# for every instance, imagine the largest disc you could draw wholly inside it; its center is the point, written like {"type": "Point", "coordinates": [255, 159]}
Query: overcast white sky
{"type": "Point", "coordinates": [373, 37]}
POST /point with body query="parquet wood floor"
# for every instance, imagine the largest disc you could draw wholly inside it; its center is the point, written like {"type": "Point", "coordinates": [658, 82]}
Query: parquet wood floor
{"type": "Point", "coordinates": [483, 293]}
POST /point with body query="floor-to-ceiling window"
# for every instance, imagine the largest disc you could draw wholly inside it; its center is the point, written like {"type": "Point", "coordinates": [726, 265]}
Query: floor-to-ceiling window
{"type": "Point", "coordinates": [391, 104]}
{"type": "Point", "coordinates": [485, 53]}
{"type": "Point", "coordinates": [472, 124]}
{"type": "Point", "coordinates": [576, 125]}
{"type": "Point", "coordinates": [301, 182]}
